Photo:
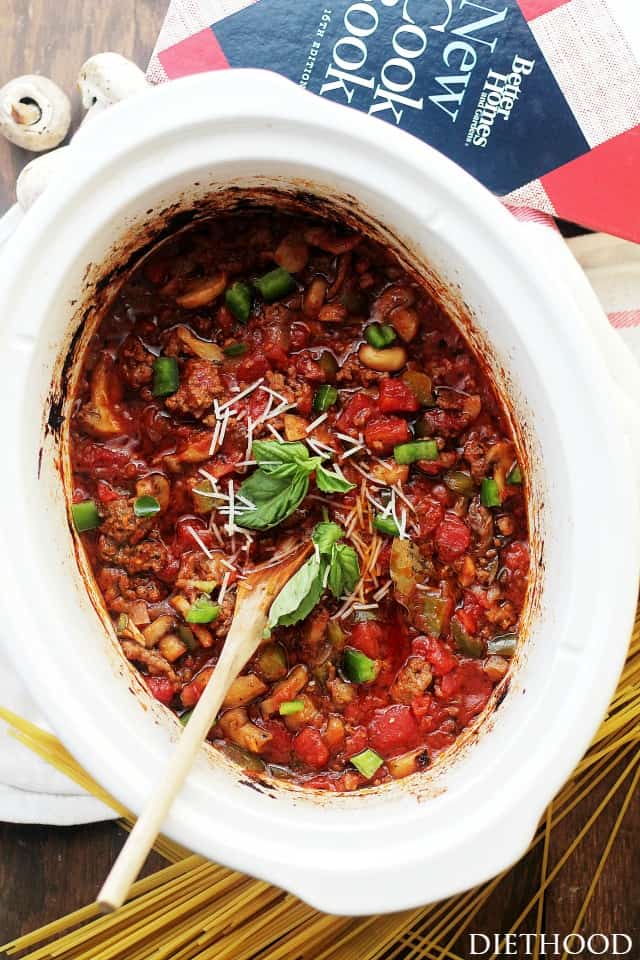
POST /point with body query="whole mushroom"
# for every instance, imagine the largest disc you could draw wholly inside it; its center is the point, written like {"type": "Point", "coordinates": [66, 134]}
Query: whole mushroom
{"type": "Point", "coordinates": [108, 78]}
{"type": "Point", "coordinates": [34, 113]}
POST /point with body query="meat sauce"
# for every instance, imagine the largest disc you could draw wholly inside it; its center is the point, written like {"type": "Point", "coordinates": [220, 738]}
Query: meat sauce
{"type": "Point", "coordinates": [266, 379]}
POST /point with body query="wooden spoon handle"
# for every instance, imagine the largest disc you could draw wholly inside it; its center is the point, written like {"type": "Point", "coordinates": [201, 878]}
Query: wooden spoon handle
{"type": "Point", "coordinates": [239, 646]}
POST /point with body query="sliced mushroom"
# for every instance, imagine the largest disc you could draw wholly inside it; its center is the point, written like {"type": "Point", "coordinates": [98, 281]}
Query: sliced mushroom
{"type": "Point", "coordinates": [235, 725]}
{"type": "Point", "coordinates": [385, 361]}
{"type": "Point", "coordinates": [200, 292]}
{"type": "Point", "coordinates": [243, 690]}
{"type": "Point", "coordinates": [99, 416]}
{"type": "Point", "coordinates": [287, 689]}
{"type": "Point", "coordinates": [34, 113]}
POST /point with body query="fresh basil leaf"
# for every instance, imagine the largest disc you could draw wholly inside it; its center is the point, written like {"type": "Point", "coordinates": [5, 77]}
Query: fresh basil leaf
{"type": "Point", "coordinates": [344, 569]}
{"type": "Point", "coordinates": [325, 535]}
{"type": "Point", "coordinates": [329, 482]}
{"type": "Point", "coordinates": [299, 596]}
{"type": "Point", "coordinates": [270, 451]}
{"type": "Point", "coordinates": [264, 484]}
{"type": "Point", "coordinates": [276, 496]}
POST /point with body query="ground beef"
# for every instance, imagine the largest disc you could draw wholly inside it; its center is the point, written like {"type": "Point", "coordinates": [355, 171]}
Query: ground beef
{"type": "Point", "coordinates": [411, 681]}
{"type": "Point", "coordinates": [120, 589]}
{"type": "Point", "coordinates": [120, 524]}
{"type": "Point", "coordinates": [148, 556]}
{"type": "Point", "coordinates": [135, 363]}
{"type": "Point", "coordinates": [200, 384]}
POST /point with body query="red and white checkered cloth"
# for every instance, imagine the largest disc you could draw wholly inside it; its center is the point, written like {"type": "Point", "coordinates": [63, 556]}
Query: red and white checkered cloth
{"type": "Point", "coordinates": [593, 50]}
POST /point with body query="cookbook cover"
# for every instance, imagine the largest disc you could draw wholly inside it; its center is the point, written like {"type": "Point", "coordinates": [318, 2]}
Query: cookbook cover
{"type": "Point", "coordinates": [512, 90]}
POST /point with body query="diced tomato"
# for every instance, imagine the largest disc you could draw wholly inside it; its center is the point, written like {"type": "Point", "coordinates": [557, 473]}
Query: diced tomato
{"type": "Point", "coordinates": [300, 335]}
{"type": "Point", "coordinates": [252, 366]}
{"type": "Point", "coordinates": [468, 620]}
{"type": "Point", "coordinates": [452, 538]}
{"type": "Point", "coordinates": [185, 539]}
{"type": "Point", "coordinates": [222, 466]}
{"type": "Point", "coordinates": [258, 401]}
{"type": "Point", "coordinates": [356, 742]}
{"type": "Point", "coordinates": [276, 346]}
{"type": "Point", "coordinates": [310, 369]}
{"type": "Point", "coordinates": [98, 459]}
{"type": "Point", "coordinates": [516, 557]}
{"type": "Point", "coordinates": [440, 658]}
{"type": "Point", "coordinates": [304, 399]}
{"type": "Point", "coordinates": [429, 712]}
{"type": "Point", "coordinates": [170, 570]}
{"type": "Point", "coordinates": [367, 636]}
{"type": "Point", "coordinates": [383, 433]}
{"type": "Point", "coordinates": [192, 692]}
{"type": "Point", "coordinates": [393, 730]}
{"type": "Point", "coordinates": [106, 493]}
{"type": "Point", "coordinates": [311, 748]}
{"type": "Point", "coordinates": [429, 515]}
{"type": "Point", "coordinates": [278, 750]}
{"type": "Point", "coordinates": [384, 558]}
{"type": "Point", "coordinates": [396, 397]}
{"type": "Point", "coordinates": [162, 689]}
{"type": "Point", "coordinates": [468, 688]}
{"type": "Point", "coordinates": [422, 705]}
{"type": "Point", "coordinates": [357, 411]}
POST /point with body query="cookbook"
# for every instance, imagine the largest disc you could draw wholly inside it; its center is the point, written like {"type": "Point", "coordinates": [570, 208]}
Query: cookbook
{"type": "Point", "coordinates": [538, 99]}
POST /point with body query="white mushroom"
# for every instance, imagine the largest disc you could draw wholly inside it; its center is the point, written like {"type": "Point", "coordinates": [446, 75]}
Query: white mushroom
{"type": "Point", "coordinates": [108, 78]}
{"type": "Point", "coordinates": [38, 174]}
{"type": "Point", "coordinates": [34, 113]}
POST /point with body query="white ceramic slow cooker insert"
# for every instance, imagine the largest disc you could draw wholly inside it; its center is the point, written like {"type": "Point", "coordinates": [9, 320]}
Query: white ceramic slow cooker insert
{"type": "Point", "coordinates": [437, 833]}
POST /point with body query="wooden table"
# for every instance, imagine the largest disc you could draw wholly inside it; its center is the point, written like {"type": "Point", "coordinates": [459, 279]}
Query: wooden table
{"type": "Point", "coordinates": [48, 871]}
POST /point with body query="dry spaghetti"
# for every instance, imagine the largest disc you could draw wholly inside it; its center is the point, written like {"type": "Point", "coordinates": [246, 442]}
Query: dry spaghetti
{"type": "Point", "coordinates": [196, 909]}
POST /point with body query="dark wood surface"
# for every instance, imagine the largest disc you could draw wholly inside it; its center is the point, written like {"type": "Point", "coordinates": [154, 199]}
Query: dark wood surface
{"type": "Point", "coordinates": [47, 871]}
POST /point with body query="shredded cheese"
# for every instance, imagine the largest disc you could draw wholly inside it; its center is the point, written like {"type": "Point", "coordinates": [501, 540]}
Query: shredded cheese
{"type": "Point", "coordinates": [316, 422]}
{"type": "Point", "coordinates": [214, 439]}
{"type": "Point", "coordinates": [200, 543]}
{"type": "Point", "coordinates": [323, 446]}
{"type": "Point", "coordinates": [214, 529]}
{"type": "Point", "coordinates": [350, 453]}
{"type": "Point", "coordinates": [274, 393]}
{"type": "Point", "coordinates": [277, 411]}
{"type": "Point", "coordinates": [223, 587]}
{"type": "Point", "coordinates": [232, 503]}
{"type": "Point", "coordinates": [379, 594]}
{"type": "Point", "coordinates": [244, 393]}
{"type": "Point", "coordinates": [400, 493]}
{"type": "Point", "coordinates": [368, 476]}
{"type": "Point", "coordinates": [275, 433]}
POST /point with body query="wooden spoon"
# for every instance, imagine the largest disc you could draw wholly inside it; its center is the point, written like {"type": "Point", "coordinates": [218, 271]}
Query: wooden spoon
{"type": "Point", "coordinates": [253, 601]}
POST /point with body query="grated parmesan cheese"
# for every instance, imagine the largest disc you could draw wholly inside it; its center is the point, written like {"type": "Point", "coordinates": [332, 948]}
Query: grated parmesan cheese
{"type": "Point", "coordinates": [200, 543]}
{"type": "Point", "coordinates": [244, 393]}
{"type": "Point", "coordinates": [316, 422]}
